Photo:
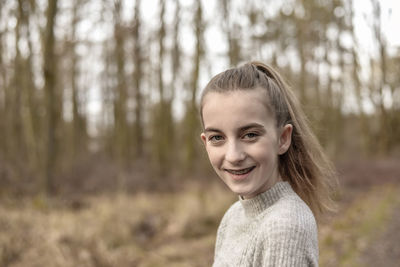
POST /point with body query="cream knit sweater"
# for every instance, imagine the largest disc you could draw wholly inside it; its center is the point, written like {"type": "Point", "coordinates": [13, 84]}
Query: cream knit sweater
{"type": "Point", "coordinates": [275, 228]}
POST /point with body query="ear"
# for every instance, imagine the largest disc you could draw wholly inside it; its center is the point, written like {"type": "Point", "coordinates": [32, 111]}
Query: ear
{"type": "Point", "coordinates": [203, 138]}
{"type": "Point", "coordinates": [285, 139]}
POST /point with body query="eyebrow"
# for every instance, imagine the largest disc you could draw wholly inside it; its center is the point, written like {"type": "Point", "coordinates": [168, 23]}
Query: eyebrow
{"type": "Point", "coordinates": [252, 125]}
{"type": "Point", "coordinates": [210, 129]}
{"type": "Point", "coordinates": [241, 129]}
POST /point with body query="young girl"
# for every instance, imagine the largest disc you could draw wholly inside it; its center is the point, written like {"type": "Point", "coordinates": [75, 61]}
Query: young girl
{"type": "Point", "coordinates": [259, 143]}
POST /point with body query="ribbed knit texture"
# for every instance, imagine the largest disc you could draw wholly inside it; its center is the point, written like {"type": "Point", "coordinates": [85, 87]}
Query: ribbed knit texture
{"type": "Point", "coordinates": [275, 228]}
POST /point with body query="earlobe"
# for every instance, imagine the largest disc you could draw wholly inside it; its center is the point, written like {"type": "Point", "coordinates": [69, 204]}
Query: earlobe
{"type": "Point", "coordinates": [285, 139]}
{"type": "Point", "coordinates": [203, 138]}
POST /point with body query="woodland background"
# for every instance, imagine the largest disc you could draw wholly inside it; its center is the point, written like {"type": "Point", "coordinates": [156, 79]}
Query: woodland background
{"type": "Point", "coordinates": [100, 157]}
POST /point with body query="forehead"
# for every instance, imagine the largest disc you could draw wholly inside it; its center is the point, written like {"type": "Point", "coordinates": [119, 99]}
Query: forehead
{"type": "Point", "coordinates": [235, 107]}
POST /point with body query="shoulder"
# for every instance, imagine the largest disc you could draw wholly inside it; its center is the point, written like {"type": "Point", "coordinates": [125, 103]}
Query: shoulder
{"type": "Point", "coordinates": [233, 211]}
{"type": "Point", "coordinates": [289, 219]}
{"type": "Point", "coordinates": [287, 233]}
{"type": "Point", "coordinates": [291, 211]}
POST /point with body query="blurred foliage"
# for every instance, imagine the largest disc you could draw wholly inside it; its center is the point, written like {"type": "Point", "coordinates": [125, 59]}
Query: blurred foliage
{"type": "Point", "coordinates": [107, 85]}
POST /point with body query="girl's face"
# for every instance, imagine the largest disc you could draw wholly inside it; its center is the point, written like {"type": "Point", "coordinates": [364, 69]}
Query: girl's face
{"type": "Point", "coordinates": [242, 140]}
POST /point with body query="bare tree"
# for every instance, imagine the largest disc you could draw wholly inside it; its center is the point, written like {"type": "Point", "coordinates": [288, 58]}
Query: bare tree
{"type": "Point", "coordinates": [137, 80]}
{"type": "Point", "coordinates": [121, 94]}
{"type": "Point", "coordinates": [356, 68]}
{"type": "Point", "coordinates": [163, 121]}
{"type": "Point", "coordinates": [3, 84]}
{"type": "Point", "coordinates": [384, 133]}
{"type": "Point", "coordinates": [30, 120]}
{"type": "Point", "coordinates": [79, 132]}
{"type": "Point", "coordinates": [176, 49]}
{"type": "Point", "coordinates": [232, 30]}
{"type": "Point", "coordinates": [191, 123]}
{"type": "Point", "coordinates": [52, 96]}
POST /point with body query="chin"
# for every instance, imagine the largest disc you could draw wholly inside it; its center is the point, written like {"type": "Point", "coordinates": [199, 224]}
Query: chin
{"type": "Point", "coordinates": [239, 190]}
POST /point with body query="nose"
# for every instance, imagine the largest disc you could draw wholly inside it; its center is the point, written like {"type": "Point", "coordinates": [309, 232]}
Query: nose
{"type": "Point", "coordinates": [235, 153]}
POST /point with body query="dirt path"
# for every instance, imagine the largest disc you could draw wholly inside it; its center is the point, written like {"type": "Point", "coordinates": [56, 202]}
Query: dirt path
{"type": "Point", "coordinates": [385, 249]}
{"type": "Point", "coordinates": [359, 227]}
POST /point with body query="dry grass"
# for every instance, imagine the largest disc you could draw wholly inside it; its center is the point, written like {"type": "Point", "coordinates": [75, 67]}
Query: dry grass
{"type": "Point", "coordinates": [162, 229]}
{"type": "Point", "coordinates": [118, 230]}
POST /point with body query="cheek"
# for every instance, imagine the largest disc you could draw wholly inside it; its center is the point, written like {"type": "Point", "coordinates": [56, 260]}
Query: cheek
{"type": "Point", "coordinates": [215, 156]}
{"type": "Point", "coordinates": [266, 153]}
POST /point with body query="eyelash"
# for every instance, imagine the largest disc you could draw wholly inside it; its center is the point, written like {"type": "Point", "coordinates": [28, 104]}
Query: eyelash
{"type": "Point", "coordinates": [250, 136]}
{"type": "Point", "coordinates": [253, 135]}
{"type": "Point", "coordinates": [213, 138]}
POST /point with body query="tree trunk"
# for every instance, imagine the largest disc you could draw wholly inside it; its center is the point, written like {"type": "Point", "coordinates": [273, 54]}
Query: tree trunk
{"type": "Point", "coordinates": [231, 31]}
{"type": "Point", "coordinates": [163, 124]}
{"type": "Point", "coordinates": [121, 96]}
{"type": "Point", "coordinates": [385, 130]}
{"type": "Point", "coordinates": [52, 97]}
{"type": "Point", "coordinates": [191, 123]}
{"type": "Point", "coordinates": [29, 111]}
{"type": "Point", "coordinates": [137, 79]}
{"type": "Point", "coordinates": [364, 130]}
{"type": "Point", "coordinates": [79, 132]}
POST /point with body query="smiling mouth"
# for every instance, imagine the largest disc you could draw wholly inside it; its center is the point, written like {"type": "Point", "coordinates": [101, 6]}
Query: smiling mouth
{"type": "Point", "coordinates": [241, 171]}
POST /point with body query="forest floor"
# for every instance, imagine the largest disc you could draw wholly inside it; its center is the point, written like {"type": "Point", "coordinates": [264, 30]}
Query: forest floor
{"type": "Point", "coordinates": [178, 229]}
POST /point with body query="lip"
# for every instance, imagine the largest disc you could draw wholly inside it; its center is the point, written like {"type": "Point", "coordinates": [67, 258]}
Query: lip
{"type": "Point", "coordinates": [239, 176]}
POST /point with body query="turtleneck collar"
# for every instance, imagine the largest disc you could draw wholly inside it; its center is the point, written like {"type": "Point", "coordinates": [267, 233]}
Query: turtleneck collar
{"type": "Point", "coordinates": [256, 205]}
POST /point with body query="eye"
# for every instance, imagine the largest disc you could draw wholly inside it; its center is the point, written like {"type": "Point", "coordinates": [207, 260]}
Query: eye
{"type": "Point", "coordinates": [215, 138]}
{"type": "Point", "coordinates": [250, 136]}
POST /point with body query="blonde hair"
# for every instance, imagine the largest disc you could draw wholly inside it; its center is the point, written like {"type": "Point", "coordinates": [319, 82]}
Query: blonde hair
{"type": "Point", "coordinates": [305, 165]}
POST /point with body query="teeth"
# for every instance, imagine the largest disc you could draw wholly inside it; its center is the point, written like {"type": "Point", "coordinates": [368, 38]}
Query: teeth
{"type": "Point", "coordinates": [243, 171]}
